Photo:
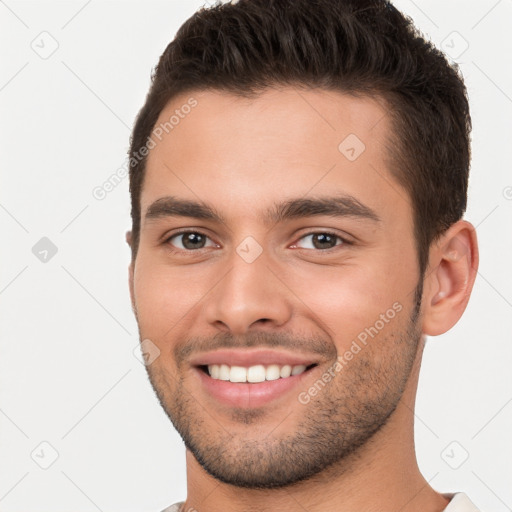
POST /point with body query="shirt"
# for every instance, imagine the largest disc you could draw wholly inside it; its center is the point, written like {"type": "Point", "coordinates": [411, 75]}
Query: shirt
{"type": "Point", "coordinates": [459, 502]}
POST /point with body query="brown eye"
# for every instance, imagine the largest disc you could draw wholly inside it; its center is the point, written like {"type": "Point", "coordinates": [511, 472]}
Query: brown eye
{"type": "Point", "coordinates": [189, 240]}
{"type": "Point", "coordinates": [321, 241]}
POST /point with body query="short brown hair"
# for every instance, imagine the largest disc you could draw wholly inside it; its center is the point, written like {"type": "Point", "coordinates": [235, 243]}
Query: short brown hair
{"type": "Point", "coordinates": [359, 47]}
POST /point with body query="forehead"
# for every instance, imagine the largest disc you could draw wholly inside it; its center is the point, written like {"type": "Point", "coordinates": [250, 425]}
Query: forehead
{"type": "Point", "coordinates": [213, 146]}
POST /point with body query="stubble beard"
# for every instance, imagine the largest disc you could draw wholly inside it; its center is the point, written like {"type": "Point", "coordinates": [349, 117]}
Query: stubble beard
{"type": "Point", "coordinates": [332, 428]}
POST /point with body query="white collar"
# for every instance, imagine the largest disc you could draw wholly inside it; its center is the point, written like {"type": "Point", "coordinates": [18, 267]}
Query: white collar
{"type": "Point", "coordinates": [459, 502]}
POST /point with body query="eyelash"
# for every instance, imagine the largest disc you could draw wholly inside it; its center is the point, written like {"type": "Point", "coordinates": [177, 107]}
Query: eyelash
{"type": "Point", "coordinates": [344, 241]}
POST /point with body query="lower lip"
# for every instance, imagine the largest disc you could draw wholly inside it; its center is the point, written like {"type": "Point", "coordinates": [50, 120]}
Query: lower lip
{"type": "Point", "coordinates": [249, 395]}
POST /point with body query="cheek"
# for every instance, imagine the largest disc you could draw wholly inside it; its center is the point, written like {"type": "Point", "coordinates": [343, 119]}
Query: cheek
{"type": "Point", "coordinates": [347, 300]}
{"type": "Point", "coordinates": [163, 298]}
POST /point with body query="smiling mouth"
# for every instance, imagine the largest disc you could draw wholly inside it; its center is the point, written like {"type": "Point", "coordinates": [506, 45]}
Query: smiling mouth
{"type": "Point", "coordinates": [253, 374]}
{"type": "Point", "coordinates": [249, 379]}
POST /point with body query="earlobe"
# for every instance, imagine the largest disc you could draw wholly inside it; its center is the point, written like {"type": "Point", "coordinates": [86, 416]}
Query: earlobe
{"type": "Point", "coordinates": [449, 280]}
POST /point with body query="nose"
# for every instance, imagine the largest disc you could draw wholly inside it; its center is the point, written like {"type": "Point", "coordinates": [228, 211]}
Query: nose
{"type": "Point", "coordinates": [248, 297]}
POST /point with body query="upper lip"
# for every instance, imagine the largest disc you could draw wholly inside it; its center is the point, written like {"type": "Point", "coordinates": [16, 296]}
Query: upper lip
{"type": "Point", "coordinates": [251, 357]}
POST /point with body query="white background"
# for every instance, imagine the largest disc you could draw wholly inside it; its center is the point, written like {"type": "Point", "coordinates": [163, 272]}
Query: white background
{"type": "Point", "coordinates": [68, 375]}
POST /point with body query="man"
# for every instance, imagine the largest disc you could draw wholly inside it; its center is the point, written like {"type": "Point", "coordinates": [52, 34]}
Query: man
{"type": "Point", "coordinates": [298, 180]}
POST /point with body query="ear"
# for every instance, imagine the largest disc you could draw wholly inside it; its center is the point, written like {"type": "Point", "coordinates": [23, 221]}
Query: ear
{"type": "Point", "coordinates": [130, 270]}
{"type": "Point", "coordinates": [449, 278]}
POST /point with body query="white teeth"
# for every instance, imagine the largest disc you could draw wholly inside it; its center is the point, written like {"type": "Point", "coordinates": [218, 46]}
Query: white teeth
{"type": "Point", "coordinates": [223, 372]}
{"type": "Point", "coordinates": [237, 374]}
{"type": "Point", "coordinates": [254, 374]}
{"type": "Point", "coordinates": [273, 372]}
{"type": "Point", "coordinates": [286, 371]}
{"type": "Point", "coordinates": [298, 369]}
{"type": "Point", "coordinates": [214, 371]}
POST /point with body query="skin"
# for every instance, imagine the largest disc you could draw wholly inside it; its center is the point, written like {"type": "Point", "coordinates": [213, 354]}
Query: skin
{"type": "Point", "coordinates": [241, 156]}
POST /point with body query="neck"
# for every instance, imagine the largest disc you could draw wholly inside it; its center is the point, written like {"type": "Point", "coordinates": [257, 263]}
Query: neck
{"type": "Point", "coordinates": [382, 475]}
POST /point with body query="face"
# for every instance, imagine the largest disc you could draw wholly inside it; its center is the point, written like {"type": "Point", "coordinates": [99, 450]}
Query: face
{"type": "Point", "coordinates": [275, 280]}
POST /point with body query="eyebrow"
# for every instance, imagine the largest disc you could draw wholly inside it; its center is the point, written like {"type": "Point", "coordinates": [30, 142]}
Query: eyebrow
{"type": "Point", "coordinates": [336, 206]}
